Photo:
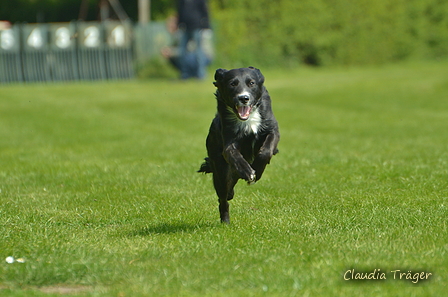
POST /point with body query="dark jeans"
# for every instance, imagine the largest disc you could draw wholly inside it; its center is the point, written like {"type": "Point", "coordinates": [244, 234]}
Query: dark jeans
{"type": "Point", "coordinates": [192, 62]}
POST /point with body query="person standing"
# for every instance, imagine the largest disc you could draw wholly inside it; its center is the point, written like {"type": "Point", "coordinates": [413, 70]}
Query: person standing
{"type": "Point", "coordinates": [193, 17]}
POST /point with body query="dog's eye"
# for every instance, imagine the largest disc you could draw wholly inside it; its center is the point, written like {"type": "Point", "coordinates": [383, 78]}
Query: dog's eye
{"type": "Point", "coordinates": [234, 83]}
{"type": "Point", "coordinates": [251, 83]}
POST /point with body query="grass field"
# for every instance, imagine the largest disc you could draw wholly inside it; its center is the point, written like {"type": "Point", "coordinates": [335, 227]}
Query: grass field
{"type": "Point", "coordinates": [100, 196]}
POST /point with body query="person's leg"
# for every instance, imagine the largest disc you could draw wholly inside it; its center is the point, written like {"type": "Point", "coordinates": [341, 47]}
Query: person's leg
{"type": "Point", "coordinates": [200, 55]}
{"type": "Point", "coordinates": [183, 54]}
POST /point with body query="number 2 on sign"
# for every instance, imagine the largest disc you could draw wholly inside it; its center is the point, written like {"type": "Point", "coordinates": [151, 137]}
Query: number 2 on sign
{"type": "Point", "coordinates": [92, 36]}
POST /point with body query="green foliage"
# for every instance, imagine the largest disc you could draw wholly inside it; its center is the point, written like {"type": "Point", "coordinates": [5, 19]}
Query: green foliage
{"type": "Point", "coordinates": [99, 194]}
{"type": "Point", "coordinates": [157, 67]}
{"type": "Point", "coordinates": [68, 10]}
{"type": "Point", "coordinates": [41, 10]}
{"type": "Point", "coordinates": [327, 32]}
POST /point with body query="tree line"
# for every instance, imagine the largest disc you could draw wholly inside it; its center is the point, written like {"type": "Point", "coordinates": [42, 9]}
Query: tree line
{"type": "Point", "coordinates": [330, 32]}
{"type": "Point", "coordinates": [290, 32]}
{"type": "Point", "coordinates": [32, 11]}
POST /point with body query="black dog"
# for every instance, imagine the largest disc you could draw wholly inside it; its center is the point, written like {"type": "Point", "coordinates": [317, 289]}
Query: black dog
{"type": "Point", "coordinates": [243, 136]}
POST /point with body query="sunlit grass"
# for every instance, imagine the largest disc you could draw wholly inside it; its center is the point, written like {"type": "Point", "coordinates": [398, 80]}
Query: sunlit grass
{"type": "Point", "coordinates": [99, 192]}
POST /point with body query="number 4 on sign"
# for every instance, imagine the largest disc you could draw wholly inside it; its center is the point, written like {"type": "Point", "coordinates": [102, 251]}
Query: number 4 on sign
{"type": "Point", "coordinates": [35, 40]}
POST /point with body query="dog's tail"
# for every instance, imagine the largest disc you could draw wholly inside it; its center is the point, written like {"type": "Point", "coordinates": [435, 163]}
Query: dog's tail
{"type": "Point", "coordinates": [205, 167]}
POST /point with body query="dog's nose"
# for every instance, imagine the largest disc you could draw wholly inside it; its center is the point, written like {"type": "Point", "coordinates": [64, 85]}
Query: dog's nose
{"type": "Point", "coordinates": [243, 98]}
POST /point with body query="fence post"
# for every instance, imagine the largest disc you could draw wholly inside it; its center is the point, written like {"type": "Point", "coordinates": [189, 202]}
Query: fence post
{"type": "Point", "coordinates": [35, 50]}
{"type": "Point", "coordinates": [91, 60]}
{"type": "Point", "coordinates": [62, 57]}
{"type": "Point", "coordinates": [118, 51]}
{"type": "Point", "coordinates": [10, 62]}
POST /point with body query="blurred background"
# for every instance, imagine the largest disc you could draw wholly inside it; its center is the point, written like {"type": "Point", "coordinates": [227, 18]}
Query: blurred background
{"type": "Point", "coordinates": [44, 40]}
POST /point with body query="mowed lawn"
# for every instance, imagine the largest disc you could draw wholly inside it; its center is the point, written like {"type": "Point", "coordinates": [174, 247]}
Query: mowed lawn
{"type": "Point", "coordinates": [100, 196]}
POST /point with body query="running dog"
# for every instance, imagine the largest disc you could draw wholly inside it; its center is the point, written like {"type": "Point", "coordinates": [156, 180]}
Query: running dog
{"type": "Point", "coordinates": [244, 134]}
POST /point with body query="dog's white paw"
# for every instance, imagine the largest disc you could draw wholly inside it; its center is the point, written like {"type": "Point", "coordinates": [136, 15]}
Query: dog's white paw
{"type": "Point", "coordinates": [252, 179]}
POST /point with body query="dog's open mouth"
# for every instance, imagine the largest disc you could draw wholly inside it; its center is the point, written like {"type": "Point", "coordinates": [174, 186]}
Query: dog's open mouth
{"type": "Point", "coordinates": [243, 112]}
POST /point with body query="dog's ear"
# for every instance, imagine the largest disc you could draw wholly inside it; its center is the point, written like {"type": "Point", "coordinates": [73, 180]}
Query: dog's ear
{"type": "Point", "coordinates": [260, 77]}
{"type": "Point", "coordinates": [219, 76]}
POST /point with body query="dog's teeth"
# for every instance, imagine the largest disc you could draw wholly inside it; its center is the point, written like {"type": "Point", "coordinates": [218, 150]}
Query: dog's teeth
{"type": "Point", "coordinates": [244, 111]}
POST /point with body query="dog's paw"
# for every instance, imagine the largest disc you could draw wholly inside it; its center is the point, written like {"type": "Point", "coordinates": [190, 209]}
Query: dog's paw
{"type": "Point", "coordinates": [245, 171]}
{"type": "Point", "coordinates": [248, 174]}
{"type": "Point", "coordinates": [252, 179]}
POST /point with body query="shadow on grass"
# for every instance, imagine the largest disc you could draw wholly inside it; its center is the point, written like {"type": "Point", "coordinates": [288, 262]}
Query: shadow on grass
{"type": "Point", "coordinates": [170, 227]}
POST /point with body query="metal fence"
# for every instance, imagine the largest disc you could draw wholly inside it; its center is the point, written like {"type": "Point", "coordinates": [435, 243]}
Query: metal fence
{"type": "Point", "coordinates": [66, 52]}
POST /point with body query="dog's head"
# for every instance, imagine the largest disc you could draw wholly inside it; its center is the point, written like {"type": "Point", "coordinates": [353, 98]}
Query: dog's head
{"type": "Point", "coordinates": [240, 89]}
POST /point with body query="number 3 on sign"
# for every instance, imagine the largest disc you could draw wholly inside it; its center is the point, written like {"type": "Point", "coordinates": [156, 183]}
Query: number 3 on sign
{"type": "Point", "coordinates": [62, 37]}
{"type": "Point", "coordinates": [92, 36]}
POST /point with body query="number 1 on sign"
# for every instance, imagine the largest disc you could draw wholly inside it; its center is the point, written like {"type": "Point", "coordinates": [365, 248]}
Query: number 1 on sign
{"type": "Point", "coordinates": [117, 36]}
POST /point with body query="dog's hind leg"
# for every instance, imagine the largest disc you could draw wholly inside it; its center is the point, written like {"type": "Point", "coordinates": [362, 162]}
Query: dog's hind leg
{"type": "Point", "coordinates": [224, 211]}
{"type": "Point", "coordinates": [224, 184]}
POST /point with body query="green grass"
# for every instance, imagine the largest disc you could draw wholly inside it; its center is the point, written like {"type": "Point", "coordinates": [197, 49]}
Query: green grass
{"type": "Point", "coordinates": [99, 191]}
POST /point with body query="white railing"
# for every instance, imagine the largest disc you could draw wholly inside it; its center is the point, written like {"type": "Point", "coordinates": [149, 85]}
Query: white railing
{"type": "Point", "coordinates": [66, 52]}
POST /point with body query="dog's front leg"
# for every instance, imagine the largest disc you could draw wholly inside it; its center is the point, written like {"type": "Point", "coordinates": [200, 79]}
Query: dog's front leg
{"type": "Point", "coordinates": [267, 150]}
{"type": "Point", "coordinates": [234, 157]}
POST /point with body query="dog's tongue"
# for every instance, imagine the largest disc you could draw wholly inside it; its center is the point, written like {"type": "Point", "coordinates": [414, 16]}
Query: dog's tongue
{"type": "Point", "coordinates": [244, 112]}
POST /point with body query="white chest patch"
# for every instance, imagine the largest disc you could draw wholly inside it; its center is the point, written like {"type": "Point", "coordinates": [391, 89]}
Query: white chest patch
{"type": "Point", "coordinates": [250, 126]}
